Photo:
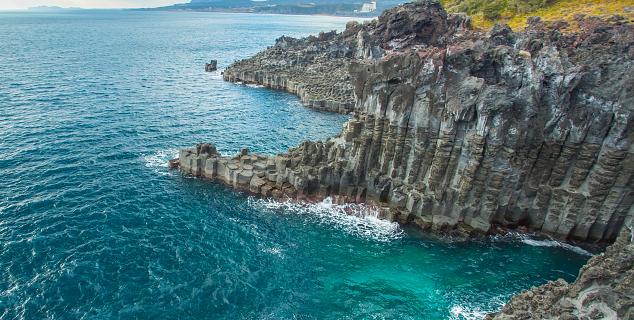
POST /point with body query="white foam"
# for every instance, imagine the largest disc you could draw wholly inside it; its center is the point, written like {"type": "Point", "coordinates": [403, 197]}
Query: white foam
{"type": "Point", "coordinates": [274, 251]}
{"type": "Point", "coordinates": [215, 75]}
{"type": "Point", "coordinates": [532, 241]}
{"type": "Point", "coordinates": [466, 312]}
{"type": "Point", "coordinates": [463, 313]}
{"type": "Point", "coordinates": [159, 160]}
{"type": "Point", "coordinates": [253, 85]}
{"type": "Point", "coordinates": [554, 243]}
{"type": "Point", "coordinates": [356, 219]}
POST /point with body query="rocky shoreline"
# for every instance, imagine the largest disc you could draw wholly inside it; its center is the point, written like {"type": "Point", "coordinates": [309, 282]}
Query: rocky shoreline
{"type": "Point", "coordinates": [452, 126]}
{"type": "Point", "coordinates": [604, 289]}
{"type": "Point", "coordinates": [311, 68]}
{"type": "Point", "coordinates": [455, 128]}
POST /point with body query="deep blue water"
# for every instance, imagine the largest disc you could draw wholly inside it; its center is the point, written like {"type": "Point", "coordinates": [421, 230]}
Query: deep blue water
{"type": "Point", "coordinates": [94, 226]}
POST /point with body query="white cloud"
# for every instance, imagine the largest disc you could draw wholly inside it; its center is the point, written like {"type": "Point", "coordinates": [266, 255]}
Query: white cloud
{"type": "Point", "coordinates": [24, 4]}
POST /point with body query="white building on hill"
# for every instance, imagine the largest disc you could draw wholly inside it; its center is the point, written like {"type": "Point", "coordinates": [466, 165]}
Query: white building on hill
{"type": "Point", "coordinates": [368, 7]}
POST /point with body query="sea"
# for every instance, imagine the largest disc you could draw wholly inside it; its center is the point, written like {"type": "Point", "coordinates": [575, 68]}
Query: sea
{"type": "Point", "coordinates": [93, 224]}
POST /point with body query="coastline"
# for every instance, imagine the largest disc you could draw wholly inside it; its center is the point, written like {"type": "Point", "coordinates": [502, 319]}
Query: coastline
{"type": "Point", "coordinates": [468, 132]}
{"type": "Point", "coordinates": [229, 171]}
{"type": "Point", "coordinates": [89, 194]}
{"type": "Point", "coordinates": [351, 17]}
{"type": "Point", "coordinates": [351, 166]}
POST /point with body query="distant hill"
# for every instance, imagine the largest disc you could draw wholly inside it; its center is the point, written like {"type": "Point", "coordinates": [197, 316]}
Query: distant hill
{"type": "Point", "coordinates": [52, 9]}
{"type": "Point", "coordinates": [327, 7]}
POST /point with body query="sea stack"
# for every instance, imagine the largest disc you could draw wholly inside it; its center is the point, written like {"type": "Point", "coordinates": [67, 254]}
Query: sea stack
{"type": "Point", "coordinates": [211, 66]}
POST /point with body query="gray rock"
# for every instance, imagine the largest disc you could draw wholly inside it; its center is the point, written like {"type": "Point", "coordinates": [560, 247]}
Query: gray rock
{"type": "Point", "coordinates": [456, 129]}
{"type": "Point", "coordinates": [490, 129]}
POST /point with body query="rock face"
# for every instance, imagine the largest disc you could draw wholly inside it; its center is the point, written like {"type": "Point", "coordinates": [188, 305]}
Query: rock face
{"type": "Point", "coordinates": [246, 172]}
{"type": "Point", "coordinates": [603, 290]}
{"type": "Point", "coordinates": [527, 129]}
{"type": "Point", "coordinates": [316, 68]}
{"type": "Point", "coordinates": [455, 127]}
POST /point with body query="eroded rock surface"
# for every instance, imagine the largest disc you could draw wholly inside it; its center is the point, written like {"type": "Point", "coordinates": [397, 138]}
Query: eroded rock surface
{"type": "Point", "coordinates": [246, 172]}
{"type": "Point", "coordinates": [456, 127]}
{"type": "Point", "coordinates": [316, 68]}
{"type": "Point", "coordinates": [453, 128]}
{"type": "Point", "coordinates": [604, 289]}
{"type": "Point", "coordinates": [311, 68]}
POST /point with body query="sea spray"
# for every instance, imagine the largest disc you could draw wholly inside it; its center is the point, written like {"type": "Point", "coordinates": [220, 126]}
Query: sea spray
{"type": "Point", "coordinates": [158, 161]}
{"type": "Point", "coordinates": [462, 313]}
{"type": "Point", "coordinates": [465, 309]}
{"type": "Point", "coordinates": [356, 219]}
{"type": "Point", "coordinates": [534, 240]}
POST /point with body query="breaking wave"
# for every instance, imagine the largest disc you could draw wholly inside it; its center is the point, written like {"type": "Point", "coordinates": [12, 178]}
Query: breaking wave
{"type": "Point", "coordinates": [355, 219]}
{"type": "Point", "coordinates": [466, 311]}
{"type": "Point", "coordinates": [159, 160]}
{"type": "Point", "coordinates": [462, 313]}
{"type": "Point", "coordinates": [531, 240]}
{"type": "Point", "coordinates": [554, 243]}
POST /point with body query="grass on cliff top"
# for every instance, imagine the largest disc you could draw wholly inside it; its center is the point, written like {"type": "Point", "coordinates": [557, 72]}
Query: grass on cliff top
{"type": "Point", "coordinates": [515, 12]}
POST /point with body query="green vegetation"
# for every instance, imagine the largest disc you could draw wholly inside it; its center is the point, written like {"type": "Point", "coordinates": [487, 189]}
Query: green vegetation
{"type": "Point", "coordinates": [494, 9]}
{"type": "Point", "coordinates": [514, 12]}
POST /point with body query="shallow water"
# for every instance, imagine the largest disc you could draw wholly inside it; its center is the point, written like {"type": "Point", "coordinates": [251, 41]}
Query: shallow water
{"type": "Point", "coordinates": [93, 225]}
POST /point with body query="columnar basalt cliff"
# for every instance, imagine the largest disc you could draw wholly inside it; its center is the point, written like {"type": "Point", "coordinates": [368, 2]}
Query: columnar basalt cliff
{"type": "Point", "coordinates": [456, 127]}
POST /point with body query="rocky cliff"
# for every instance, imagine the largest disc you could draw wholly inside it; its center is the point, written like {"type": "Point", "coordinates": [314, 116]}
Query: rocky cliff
{"type": "Point", "coordinates": [603, 290]}
{"type": "Point", "coordinates": [309, 67]}
{"type": "Point", "coordinates": [316, 68]}
{"type": "Point", "coordinates": [453, 127]}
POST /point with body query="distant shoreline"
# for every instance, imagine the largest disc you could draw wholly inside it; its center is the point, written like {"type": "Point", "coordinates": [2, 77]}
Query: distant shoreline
{"type": "Point", "coordinates": [257, 12]}
{"type": "Point", "coordinates": [70, 10]}
{"type": "Point", "coordinates": [264, 13]}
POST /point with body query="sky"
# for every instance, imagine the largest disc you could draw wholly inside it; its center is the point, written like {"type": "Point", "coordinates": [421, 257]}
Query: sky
{"type": "Point", "coordinates": [24, 4]}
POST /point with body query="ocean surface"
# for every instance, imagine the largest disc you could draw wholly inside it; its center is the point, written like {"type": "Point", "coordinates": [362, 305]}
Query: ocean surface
{"type": "Point", "coordinates": [94, 226]}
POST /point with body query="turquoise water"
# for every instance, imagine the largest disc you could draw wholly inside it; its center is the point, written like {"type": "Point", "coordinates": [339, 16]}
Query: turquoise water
{"type": "Point", "coordinates": [94, 226]}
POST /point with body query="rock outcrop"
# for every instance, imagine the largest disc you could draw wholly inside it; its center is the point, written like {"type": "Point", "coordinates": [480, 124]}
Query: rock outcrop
{"type": "Point", "coordinates": [456, 127]}
{"type": "Point", "coordinates": [246, 172]}
{"type": "Point", "coordinates": [316, 68]}
{"type": "Point", "coordinates": [604, 289]}
{"type": "Point", "coordinates": [211, 66]}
